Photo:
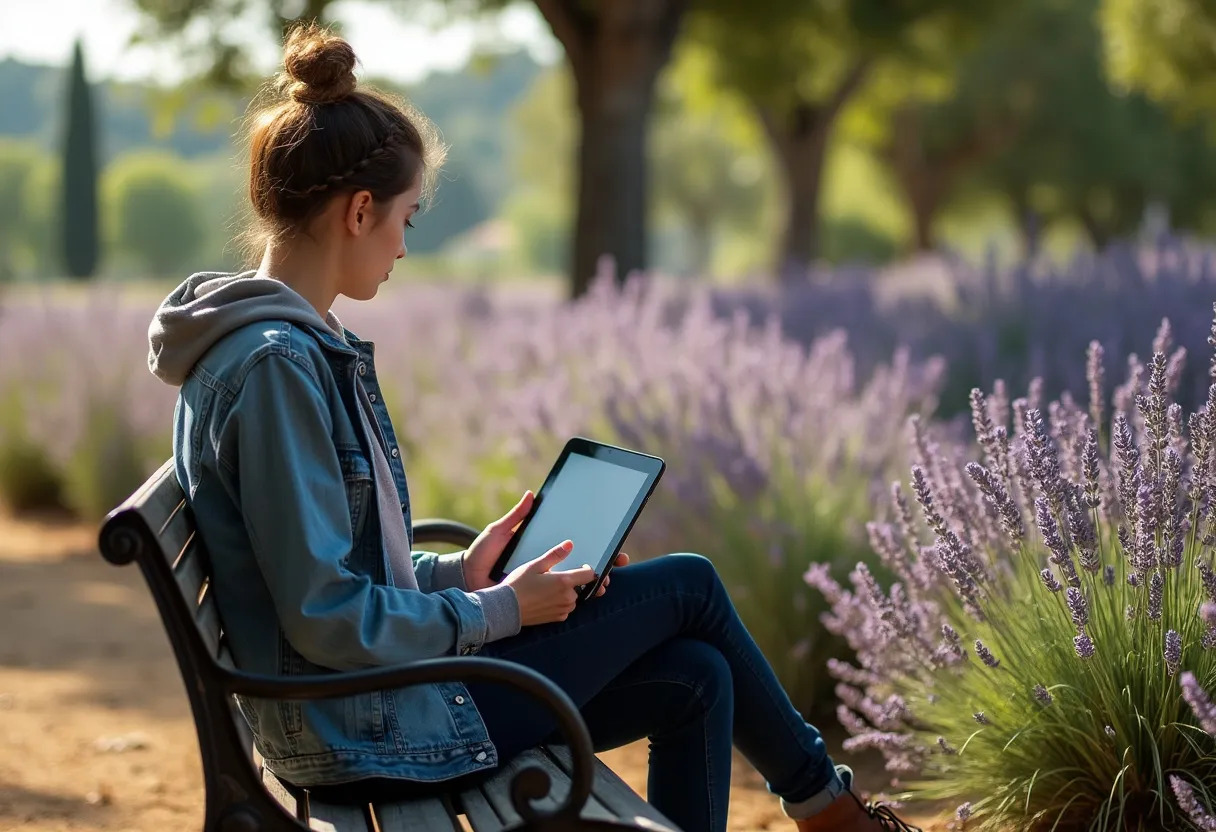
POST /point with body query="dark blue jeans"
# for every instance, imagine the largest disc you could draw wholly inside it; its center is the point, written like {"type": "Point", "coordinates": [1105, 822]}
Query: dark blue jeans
{"type": "Point", "coordinates": [663, 655]}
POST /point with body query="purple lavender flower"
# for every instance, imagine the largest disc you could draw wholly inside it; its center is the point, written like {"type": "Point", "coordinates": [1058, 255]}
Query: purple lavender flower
{"type": "Point", "coordinates": [1042, 457]}
{"type": "Point", "coordinates": [1209, 638]}
{"type": "Point", "coordinates": [1128, 458]}
{"type": "Point", "coordinates": [946, 747]}
{"type": "Point", "coordinates": [1078, 607]}
{"type": "Point", "coordinates": [1049, 580]}
{"type": "Point", "coordinates": [1173, 651]}
{"type": "Point", "coordinates": [1133, 579]}
{"type": "Point", "coordinates": [924, 496]}
{"type": "Point", "coordinates": [1209, 581]}
{"type": "Point", "coordinates": [985, 654]}
{"type": "Point", "coordinates": [1129, 612]}
{"type": "Point", "coordinates": [1051, 536]}
{"type": "Point", "coordinates": [1207, 611]}
{"type": "Point", "coordinates": [963, 812]}
{"type": "Point", "coordinates": [1042, 695]}
{"type": "Point", "coordinates": [1156, 587]}
{"type": "Point", "coordinates": [1089, 470]}
{"type": "Point", "coordinates": [982, 422]}
{"type": "Point", "coordinates": [1081, 529]}
{"type": "Point", "coordinates": [1110, 731]}
{"type": "Point", "coordinates": [852, 723]}
{"type": "Point", "coordinates": [1084, 646]}
{"type": "Point", "coordinates": [996, 495]}
{"type": "Point", "coordinates": [1199, 700]}
{"type": "Point", "coordinates": [1095, 374]}
{"type": "Point", "coordinates": [1189, 803]}
{"type": "Point", "coordinates": [979, 717]}
{"type": "Point", "coordinates": [1108, 575]}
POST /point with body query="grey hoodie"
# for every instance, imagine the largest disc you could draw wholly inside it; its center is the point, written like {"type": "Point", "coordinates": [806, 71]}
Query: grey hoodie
{"type": "Point", "coordinates": [209, 306]}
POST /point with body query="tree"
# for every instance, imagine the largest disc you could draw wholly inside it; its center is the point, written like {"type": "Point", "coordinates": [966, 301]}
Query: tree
{"type": "Point", "coordinates": [155, 212]}
{"type": "Point", "coordinates": [799, 64]}
{"type": "Point", "coordinates": [615, 49]}
{"type": "Point", "coordinates": [1163, 48]}
{"type": "Point", "coordinates": [79, 229]}
{"type": "Point", "coordinates": [18, 163]}
{"type": "Point", "coordinates": [1085, 152]}
{"type": "Point", "coordinates": [707, 160]}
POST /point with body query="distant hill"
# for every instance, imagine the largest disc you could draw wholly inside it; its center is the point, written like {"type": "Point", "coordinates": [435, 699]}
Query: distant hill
{"type": "Point", "coordinates": [470, 106]}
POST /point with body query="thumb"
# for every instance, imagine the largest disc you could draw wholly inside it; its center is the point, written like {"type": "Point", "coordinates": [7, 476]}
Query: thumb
{"type": "Point", "coordinates": [577, 577]}
{"type": "Point", "coordinates": [552, 557]}
{"type": "Point", "coordinates": [516, 515]}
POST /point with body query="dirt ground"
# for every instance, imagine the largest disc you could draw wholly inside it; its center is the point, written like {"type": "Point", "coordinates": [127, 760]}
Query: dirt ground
{"type": "Point", "coordinates": [95, 729]}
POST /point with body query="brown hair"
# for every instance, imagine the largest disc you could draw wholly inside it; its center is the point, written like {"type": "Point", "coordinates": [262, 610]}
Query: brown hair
{"type": "Point", "coordinates": [314, 132]}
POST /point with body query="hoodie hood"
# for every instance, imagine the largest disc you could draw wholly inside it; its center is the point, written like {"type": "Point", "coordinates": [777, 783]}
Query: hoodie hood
{"type": "Point", "coordinates": [208, 306]}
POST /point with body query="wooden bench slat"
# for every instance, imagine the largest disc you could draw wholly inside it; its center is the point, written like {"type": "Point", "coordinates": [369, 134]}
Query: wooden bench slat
{"type": "Point", "coordinates": [280, 793]}
{"type": "Point", "coordinates": [432, 813]}
{"type": "Point", "coordinates": [176, 531]}
{"type": "Point", "coordinates": [207, 617]}
{"type": "Point", "coordinates": [615, 793]}
{"type": "Point", "coordinates": [497, 790]}
{"type": "Point", "coordinates": [338, 817]}
{"type": "Point", "coordinates": [478, 811]}
{"type": "Point", "coordinates": [190, 570]}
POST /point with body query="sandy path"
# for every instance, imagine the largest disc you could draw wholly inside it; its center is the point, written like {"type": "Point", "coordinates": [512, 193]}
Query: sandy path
{"type": "Point", "coordinates": [85, 666]}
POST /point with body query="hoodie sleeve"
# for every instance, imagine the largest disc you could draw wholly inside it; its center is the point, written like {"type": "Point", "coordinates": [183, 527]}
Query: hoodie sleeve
{"type": "Point", "coordinates": [293, 499]}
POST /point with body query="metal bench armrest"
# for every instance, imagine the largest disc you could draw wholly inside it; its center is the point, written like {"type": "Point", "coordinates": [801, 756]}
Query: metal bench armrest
{"type": "Point", "coordinates": [525, 789]}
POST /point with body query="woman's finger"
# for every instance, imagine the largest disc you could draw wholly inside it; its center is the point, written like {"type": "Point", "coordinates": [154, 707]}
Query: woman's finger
{"type": "Point", "coordinates": [515, 516]}
{"type": "Point", "coordinates": [622, 559]}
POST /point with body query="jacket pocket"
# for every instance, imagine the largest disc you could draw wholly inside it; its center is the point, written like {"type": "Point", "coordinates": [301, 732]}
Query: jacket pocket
{"type": "Point", "coordinates": [360, 489]}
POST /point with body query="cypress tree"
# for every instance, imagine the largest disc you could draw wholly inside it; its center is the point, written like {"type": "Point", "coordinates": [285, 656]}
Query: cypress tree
{"type": "Point", "coordinates": [78, 214]}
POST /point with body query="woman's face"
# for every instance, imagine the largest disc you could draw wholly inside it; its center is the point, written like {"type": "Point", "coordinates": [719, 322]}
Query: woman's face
{"type": "Point", "coordinates": [377, 241]}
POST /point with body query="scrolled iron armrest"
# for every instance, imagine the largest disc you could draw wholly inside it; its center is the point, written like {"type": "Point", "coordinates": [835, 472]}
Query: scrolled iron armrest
{"type": "Point", "coordinates": [432, 530]}
{"type": "Point", "coordinates": [529, 784]}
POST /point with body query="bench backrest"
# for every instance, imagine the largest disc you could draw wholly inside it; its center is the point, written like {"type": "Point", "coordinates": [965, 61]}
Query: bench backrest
{"type": "Point", "coordinates": [155, 529]}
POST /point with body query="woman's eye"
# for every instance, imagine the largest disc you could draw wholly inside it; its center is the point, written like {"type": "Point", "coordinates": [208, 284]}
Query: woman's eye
{"type": "Point", "coordinates": [409, 224]}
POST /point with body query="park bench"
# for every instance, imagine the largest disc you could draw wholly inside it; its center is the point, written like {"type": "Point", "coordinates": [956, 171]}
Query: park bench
{"type": "Point", "coordinates": [556, 788]}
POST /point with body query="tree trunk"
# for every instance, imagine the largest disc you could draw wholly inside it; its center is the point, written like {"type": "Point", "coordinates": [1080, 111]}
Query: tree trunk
{"type": "Point", "coordinates": [612, 184]}
{"type": "Point", "coordinates": [801, 152]}
{"type": "Point", "coordinates": [799, 137]}
{"type": "Point", "coordinates": [701, 234]}
{"type": "Point", "coordinates": [615, 49]}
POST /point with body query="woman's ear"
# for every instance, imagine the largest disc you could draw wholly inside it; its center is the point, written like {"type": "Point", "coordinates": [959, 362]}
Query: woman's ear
{"type": "Point", "coordinates": [359, 212]}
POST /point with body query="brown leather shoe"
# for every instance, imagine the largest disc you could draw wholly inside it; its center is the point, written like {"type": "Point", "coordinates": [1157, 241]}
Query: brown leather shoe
{"type": "Point", "coordinates": [848, 814]}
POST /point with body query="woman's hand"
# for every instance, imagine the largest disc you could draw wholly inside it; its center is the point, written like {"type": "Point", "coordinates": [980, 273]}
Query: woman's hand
{"type": "Point", "coordinates": [546, 596]}
{"type": "Point", "coordinates": [621, 560]}
{"type": "Point", "coordinates": [485, 551]}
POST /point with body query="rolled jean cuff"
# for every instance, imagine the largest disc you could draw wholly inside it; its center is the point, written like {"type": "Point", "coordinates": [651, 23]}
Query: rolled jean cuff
{"type": "Point", "coordinates": [817, 802]}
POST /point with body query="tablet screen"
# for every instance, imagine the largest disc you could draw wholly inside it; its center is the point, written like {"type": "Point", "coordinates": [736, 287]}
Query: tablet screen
{"type": "Point", "coordinates": [585, 504]}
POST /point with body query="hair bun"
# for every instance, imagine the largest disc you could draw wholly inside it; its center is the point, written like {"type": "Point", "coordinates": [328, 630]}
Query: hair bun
{"type": "Point", "coordinates": [319, 66]}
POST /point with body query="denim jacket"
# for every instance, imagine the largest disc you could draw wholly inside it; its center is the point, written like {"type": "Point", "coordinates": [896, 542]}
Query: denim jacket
{"type": "Point", "coordinates": [269, 449]}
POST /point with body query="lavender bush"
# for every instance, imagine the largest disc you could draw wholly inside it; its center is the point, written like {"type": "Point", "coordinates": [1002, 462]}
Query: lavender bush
{"type": "Point", "coordinates": [1031, 320]}
{"type": "Point", "coordinates": [1030, 657]}
{"type": "Point", "coordinates": [773, 448]}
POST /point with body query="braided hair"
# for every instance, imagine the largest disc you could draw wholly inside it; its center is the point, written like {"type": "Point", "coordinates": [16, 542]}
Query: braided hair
{"type": "Point", "coordinates": [314, 133]}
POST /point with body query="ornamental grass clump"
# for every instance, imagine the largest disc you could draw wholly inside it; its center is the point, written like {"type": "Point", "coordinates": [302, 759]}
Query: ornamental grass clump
{"type": "Point", "coordinates": [1037, 657]}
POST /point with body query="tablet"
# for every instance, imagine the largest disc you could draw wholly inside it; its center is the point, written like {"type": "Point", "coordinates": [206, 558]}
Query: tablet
{"type": "Point", "coordinates": [592, 496]}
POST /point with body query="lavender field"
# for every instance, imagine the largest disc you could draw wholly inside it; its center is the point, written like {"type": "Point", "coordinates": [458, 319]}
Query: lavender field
{"type": "Point", "coordinates": [783, 413]}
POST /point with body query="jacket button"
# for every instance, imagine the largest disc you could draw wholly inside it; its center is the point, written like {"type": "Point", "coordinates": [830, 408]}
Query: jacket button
{"type": "Point", "coordinates": [371, 397]}
{"type": "Point", "coordinates": [459, 700]}
{"type": "Point", "coordinates": [396, 453]}
{"type": "Point", "coordinates": [404, 507]}
{"type": "Point", "coordinates": [481, 756]}
{"type": "Point", "coordinates": [362, 368]}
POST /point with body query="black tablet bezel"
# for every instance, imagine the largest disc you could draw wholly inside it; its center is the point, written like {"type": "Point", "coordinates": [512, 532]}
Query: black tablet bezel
{"type": "Point", "coordinates": [650, 465]}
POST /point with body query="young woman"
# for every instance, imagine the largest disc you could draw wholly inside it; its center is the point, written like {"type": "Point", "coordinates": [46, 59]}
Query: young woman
{"type": "Point", "coordinates": [285, 448]}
